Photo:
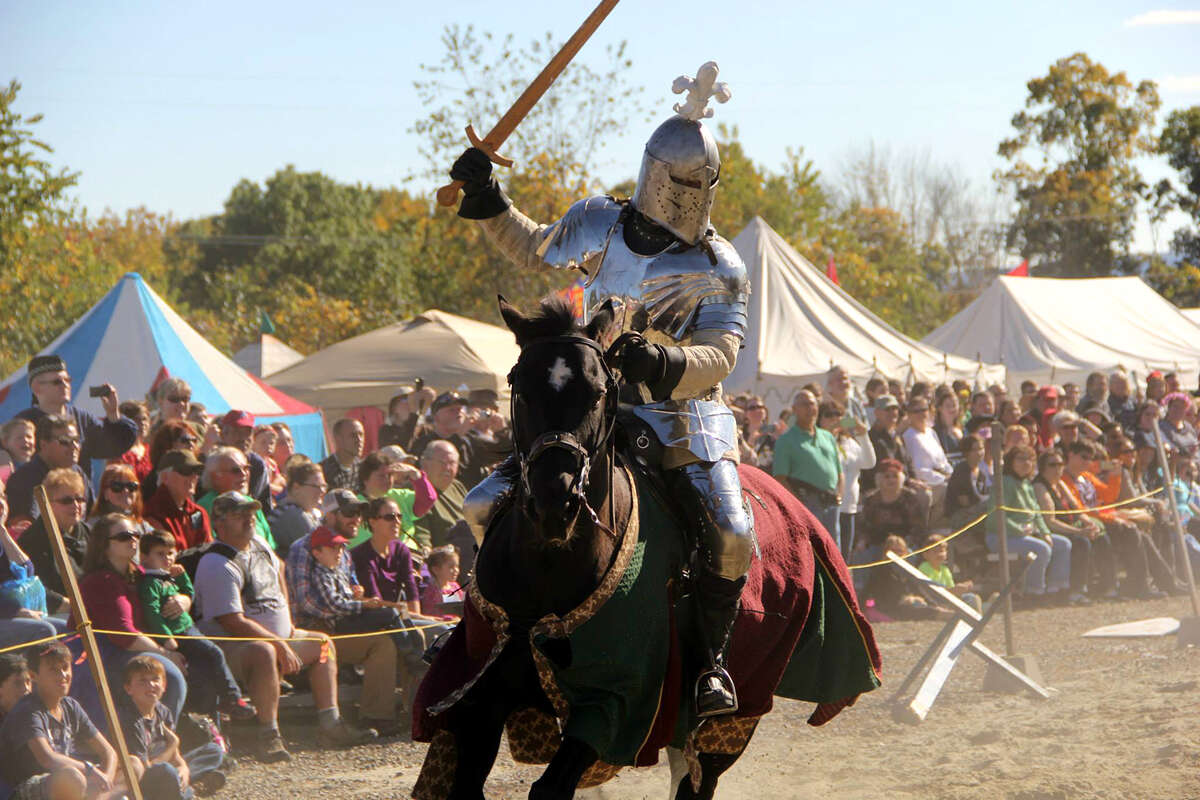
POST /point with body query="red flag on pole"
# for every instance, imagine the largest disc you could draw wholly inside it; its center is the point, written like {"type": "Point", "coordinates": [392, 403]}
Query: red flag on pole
{"type": "Point", "coordinates": [1019, 271]}
{"type": "Point", "coordinates": [831, 271]}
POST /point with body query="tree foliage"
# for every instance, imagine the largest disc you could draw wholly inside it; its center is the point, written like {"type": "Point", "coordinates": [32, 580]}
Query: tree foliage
{"type": "Point", "coordinates": [1180, 143]}
{"type": "Point", "coordinates": [1076, 203]}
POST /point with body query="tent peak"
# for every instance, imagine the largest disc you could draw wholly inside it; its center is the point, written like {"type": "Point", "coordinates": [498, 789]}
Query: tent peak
{"type": "Point", "coordinates": [132, 276]}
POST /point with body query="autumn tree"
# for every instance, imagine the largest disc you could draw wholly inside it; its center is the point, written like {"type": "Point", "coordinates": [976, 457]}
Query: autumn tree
{"type": "Point", "coordinates": [1072, 170]}
{"type": "Point", "coordinates": [1180, 143]}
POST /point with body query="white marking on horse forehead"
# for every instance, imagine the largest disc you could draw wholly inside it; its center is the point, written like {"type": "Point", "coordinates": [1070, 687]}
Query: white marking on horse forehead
{"type": "Point", "coordinates": [560, 373]}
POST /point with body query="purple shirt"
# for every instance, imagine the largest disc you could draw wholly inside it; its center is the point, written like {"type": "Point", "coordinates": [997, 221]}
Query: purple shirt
{"type": "Point", "coordinates": [386, 576]}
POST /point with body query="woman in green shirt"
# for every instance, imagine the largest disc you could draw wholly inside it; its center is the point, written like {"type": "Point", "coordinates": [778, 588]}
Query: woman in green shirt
{"type": "Point", "coordinates": [1026, 528]}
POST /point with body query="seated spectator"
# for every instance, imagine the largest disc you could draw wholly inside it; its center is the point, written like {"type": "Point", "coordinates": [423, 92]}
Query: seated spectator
{"type": "Point", "coordinates": [173, 435]}
{"type": "Point", "coordinates": [1029, 390]}
{"type": "Point", "coordinates": [1027, 532]}
{"type": "Point", "coordinates": [856, 454]}
{"type": "Point", "coordinates": [891, 509]}
{"type": "Point", "coordinates": [51, 387]}
{"type": "Point", "coordinates": [969, 489]}
{"type": "Point", "coordinates": [45, 733]}
{"type": "Point", "coordinates": [23, 610]}
{"type": "Point", "coordinates": [298, 513]}
{"type": "Point", "coordinates": [341, 467]}
{"type": "Point", "coordinates": [1121, 405]}
{"type": "Point", "coordinates": [947, 426]}
{"type": "Point", "coordinates": [893, 592]}
{"type": "Point", "coordinates": [1016, 436]}
{"type": "Point", "coordinates": [383, 476]}
{"type": "Point", "coordinates": [149, 730]}
{"type": "Point", "coordinates": [1008, 413]}
{"type": "Point", "coordinates": [929, 461]}
{"type": "Point", "coordinates": [65, 488]}
{"type": "Point", "coordinates": [441, 595]}
{"type": "Point", "coordinates": [1070, 397]}
{"type": "Point", "coordinates": [138, 455]}
{"type": "Point", "coordinates": [285, 447]}
{"type": "Point", "coordinates": [263, 443]}
{"type": "Point", "coordinates": [227, 470]}
{"type": "Point", "coordinates": [444, 523]}
{"type": "Point", "coordinates": [1137, 461]}
{"type": "Point", "coordinates": [198, 415]}
{"type": "Point", "coordinates": [17, 445]}
{"type": "Point", "coordinates": [239, 593]}
{"type": "Point", "coordinates": [1176, 430]}
{"type": "Point", "coordinates": [332, 600]}
{"type": "Point", "coordinates": [15, 682]}
{"type": "Point", "coordinates": [58, 448]}
{"type": "Point", "coordinates": [237, 430]}
{"type": "Point", "coordinates": [109, 591]}
{"type": "Point", "coordinates": [120, 494]}
{"type": "Point", "coordinates": [172, 508]}
{"type": "Point", "coordinates": [1090, 544]}
{"type": "Point", "coordinates": [165, 593]}
{"type": "Point", "coordinates": [807, 463]}
{"type": "Point", "coordinates": [935, 568]}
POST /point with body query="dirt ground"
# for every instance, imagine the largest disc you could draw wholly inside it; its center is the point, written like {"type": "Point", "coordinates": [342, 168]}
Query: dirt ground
{"type": "Point", "coordinates": [1123, 722]}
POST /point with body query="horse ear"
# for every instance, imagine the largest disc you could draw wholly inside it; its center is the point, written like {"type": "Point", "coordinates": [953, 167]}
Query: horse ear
{"type": "Point", "coordinates": [514, 319]}
{"type": "Point", "coordinates": [601, 320]}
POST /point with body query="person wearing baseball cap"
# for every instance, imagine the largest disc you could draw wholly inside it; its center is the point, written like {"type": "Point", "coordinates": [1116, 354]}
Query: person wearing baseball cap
{"type": "Point", "coordinates": [237, 430]}
{"type": "Point", "coordinates": [448, 420]}
{"type": "Point", "coordinates": [172, 507]}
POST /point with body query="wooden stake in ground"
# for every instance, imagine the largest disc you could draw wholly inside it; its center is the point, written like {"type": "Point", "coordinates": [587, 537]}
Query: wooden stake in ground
{"type": "Point", "coordinates": [89, 643]}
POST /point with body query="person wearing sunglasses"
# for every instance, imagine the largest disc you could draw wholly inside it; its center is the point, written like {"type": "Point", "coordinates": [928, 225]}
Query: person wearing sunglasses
{"type": "Point", "coordinates": [173, 397]}
{"type": "Point", "coordinates": [65, 489]}
{"type": "Point", "coordinates": [120, 493]}
{"type": "Point", "coordinates": [58, 448]}
{"type": "Point", "coordinates": [299, 512]}
{"type": "Point", "coordinates": [173, 435]}
{"type": "Point", "coordinates": [227, 469]}
{"type": "Point", "coordinates": [50, 384]}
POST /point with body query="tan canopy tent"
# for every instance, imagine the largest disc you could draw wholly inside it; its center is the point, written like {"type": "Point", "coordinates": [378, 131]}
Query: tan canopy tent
{"type": "Point", "coordinates": [444, 350]}
{"type": "Point", "coordinates": [801, 323]}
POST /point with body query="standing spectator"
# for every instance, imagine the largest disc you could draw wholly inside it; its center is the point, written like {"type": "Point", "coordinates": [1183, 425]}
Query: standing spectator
{"type": "Point", "coordinates": [381, 476]}
{"type": "Point", "coordinates": [807, 463]}
{"type": "Point", "coordinates": [173, 435]}
{"type": "Point", "coordinates": [119, 495]}
{"type": "Point", "coordinates": [109, 592]}
{"type": "Point", "coordinates": [969, 490]}
{"type": "Point", "coordinates": [486, 430]}
{"type": "Point", "coordinates": [1065, 425]}
{"type": "Point", "coordinates": [58, 448]}
{"type": "Point", "coordinates": [837, 386]}
{"type": "Point", "coordinates": [172, 507]}
{"type": "Point", "coordinates": [888, 444]}
{"type": "Point", "coordinates": [929, 461]}
{"type": "Point", "coordinates": [1156, 387]}
{"type": "Point", "coordinates": [1176, 430]}
{"type": "Point", "coordinates": [51, 387]}
{"type": "Point", "coordinates": [263, 443]}
{"type": "Point", "coordinates": [1009, 413]}
{"type": "Point", "coordinates": [18, 442]}
{"type": "Point", "coordinates": [404, 415]}
{"type": "Point", "coordinates": [875, 387]}
{"type": "Point", "coordinates": [445, 524]}
{"type": "Point", "coordinates": [67, 505]}
{"type": "Point", "coordinates": [1121, 405]}
{"type": "Point", "coordinates": [1171, 382]}
{"type": "Point", "coordinates": [1089, 543]}
{"type": "Point", "coordinates": [285, 446]}
{"type": "Point", "coordinates": [44, 735]}
{"type": "Point", "coordinates": [1096, 390]}
{"type": "Point", "coordinates": [341, 468]}
{"type": "Point", "coordinates": [174, 398]}
{"type": "Point", "coordinates": [1026, 530]}
{"type": "Point", "coordinates": [299, 513]}
{"type": "Point", "coordinates": [1070, 397]}
{"type": "Point", "coordinates": [947, 427]}
{"type": "Point", "coordinates": [239, 593]}
{"type": "Point", "coordinates": [138, 456]}
{"type": "Point", "coordinates": [758, 435]}
{"type": "Point", "coordinates": [448, 420]}
{"type": "Point", "coordinates": [237, 430]}
{"type": "Point", "coordinates": [895, 389]}
{"type": "Point", "coordinates": [856, 454]}
{"type": "Point", "coordinates": [227, 470]}
{"type": "Point", "coordinates": [982, 405]}
{"type": "Point", "coordinates": [1028, 396]}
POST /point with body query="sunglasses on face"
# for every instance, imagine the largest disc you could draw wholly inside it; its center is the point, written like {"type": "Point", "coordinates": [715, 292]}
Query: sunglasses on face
{"type": "Point", "coordinates": [393, 517]}
{"type": "Point", "coordinates": [57, 382]}
{"type": "Point", "coordinates": [124, 536]}
{"type": "Point", "coordinates": [320, 486]}
{"type": "Point", "coordinates": [1052, 463]}
{"type": "Point", "coordinates": [68, 441]}
{"type": "Point", "coordinates": [78, 500]}
{"type": "Point", "coordinates": [238, 470]}
{"type": "Point", "coordinates": [123, 486]}
{"type": "Point", "coordinates": [186, 440]}
{"type": "Point", "coordinates": [175, 398]}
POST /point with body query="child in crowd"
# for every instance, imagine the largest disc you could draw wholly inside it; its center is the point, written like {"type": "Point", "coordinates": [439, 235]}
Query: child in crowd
{"type": "Point", "coordinates": [44, 730]}
{"type": "Point", "coordinates": [937, 570]}
{"type": "Point", "coordinates": [441, 594]}
{"type": "Point", "coordinates": [211, 686]}
{"type": "Point", "coordinates": [15, 682]}
{"type": "Point", "coordinates": [149, 730]}
{"type": "Point", "coordinates": [893, 593]}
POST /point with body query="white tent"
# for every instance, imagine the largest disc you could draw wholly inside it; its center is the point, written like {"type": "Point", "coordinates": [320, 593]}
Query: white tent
{"type": "Point", "coordinates": [266, 356]}
{"type": "Point", "coordinates": [1054, 330]}
{"type": "Point", "coordinates": [444, 350]}
{"type": "Point", "coordinates": [1192, 313]}
{"type": "Point", "coordinates": [801, 323]}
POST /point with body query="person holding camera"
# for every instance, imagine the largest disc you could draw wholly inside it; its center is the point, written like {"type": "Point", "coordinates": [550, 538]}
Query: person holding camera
{"type": "Point", "coordinates": [50, 384]}
{"type": "Point", "coordinates": [856, 454]}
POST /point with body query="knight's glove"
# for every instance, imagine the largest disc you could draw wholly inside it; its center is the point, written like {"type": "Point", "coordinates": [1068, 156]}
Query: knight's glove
{"type": "Point", "coordinates": [660, 368]}
{"type": "Point", "coordinates": [482, 196]}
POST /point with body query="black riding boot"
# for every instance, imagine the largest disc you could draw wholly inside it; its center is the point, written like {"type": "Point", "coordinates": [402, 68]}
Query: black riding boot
{"type": "Point", "coordinates": [717, 602]}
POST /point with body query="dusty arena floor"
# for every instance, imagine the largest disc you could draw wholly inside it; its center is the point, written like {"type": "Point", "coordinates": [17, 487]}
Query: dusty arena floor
{"type": "Point", "coordinates": [1124, 722]}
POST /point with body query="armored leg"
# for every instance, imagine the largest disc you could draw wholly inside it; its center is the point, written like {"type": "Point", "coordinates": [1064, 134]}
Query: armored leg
{"type": "Point", "coordinates": [726, 543]}
{"type": "Point", "coordinates": [482, 501]}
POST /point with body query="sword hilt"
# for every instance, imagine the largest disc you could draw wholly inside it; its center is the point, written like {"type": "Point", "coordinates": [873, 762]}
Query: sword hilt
{"type": "Point", "coordinates": [448, 194]}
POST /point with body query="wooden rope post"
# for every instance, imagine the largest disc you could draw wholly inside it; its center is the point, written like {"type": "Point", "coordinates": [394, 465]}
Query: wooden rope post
{"type": "Point", "coordinates": [89, 642]}
{"type": "Point", "coordinates": [1001, 533]}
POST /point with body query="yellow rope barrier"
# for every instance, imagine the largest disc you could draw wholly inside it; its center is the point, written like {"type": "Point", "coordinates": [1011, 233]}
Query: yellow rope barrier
{"type": "Point", "coordinates": [944, 539]}
{"type": "Point", "coordinates": [23, 645]}
{"type": "Point", "coordinates": [1085, 510]}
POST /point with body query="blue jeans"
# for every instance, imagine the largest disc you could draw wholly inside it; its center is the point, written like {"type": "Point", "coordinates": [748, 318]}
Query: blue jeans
{"type": "Point", "coordinates": [204, 759]}
{"type": "Point", "coordinates": [209, 678]}
{"type": "Point", "coordinates": [21, 629]}
{"type": "Point", "coordinates": [83, 687]}
{"type": "Point", "coordinates": [161, 780]}
{"type": "Point", "coordinates": [1051, 569]}
{"type": "Point", "coordinates": [827, 515]}
{"type": "Point", "coordinates": [846, 532]}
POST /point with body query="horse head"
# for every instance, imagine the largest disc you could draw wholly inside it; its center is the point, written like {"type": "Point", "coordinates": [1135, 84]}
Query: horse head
{"type": "Point", "coordinates": [563, 403]}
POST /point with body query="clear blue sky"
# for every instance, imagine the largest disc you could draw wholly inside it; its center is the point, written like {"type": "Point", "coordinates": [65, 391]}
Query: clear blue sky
{"type": "Point", "coordinates": [168, 105]}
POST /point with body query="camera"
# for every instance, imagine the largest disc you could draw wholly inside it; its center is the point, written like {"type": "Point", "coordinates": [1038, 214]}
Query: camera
{"type": "Point", "coordinates": [99, 391]}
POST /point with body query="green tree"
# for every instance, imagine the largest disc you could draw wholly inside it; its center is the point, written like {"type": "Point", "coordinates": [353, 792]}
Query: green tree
{"type": "Point", "coordinates": [1180, 143]}
{"type": "Point", "coordinates": [1076, 203]}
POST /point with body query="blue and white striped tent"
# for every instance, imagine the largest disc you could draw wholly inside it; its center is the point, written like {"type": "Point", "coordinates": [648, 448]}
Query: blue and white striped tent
{"type": "Point", "coordinates": [133, 340]}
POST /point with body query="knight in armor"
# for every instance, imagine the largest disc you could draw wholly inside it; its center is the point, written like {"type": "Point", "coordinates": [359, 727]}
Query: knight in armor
{"type": "Point", "coordinates": [671, 278]}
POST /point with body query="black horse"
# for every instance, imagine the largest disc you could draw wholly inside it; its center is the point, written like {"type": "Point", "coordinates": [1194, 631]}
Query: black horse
{"type": "Point", "coordinates": [546, 552]}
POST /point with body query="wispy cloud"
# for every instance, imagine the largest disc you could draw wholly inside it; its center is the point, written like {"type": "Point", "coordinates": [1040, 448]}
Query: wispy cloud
{"type": "Point", "coordinates": [1174, 17]}
{"type": "Point", "coordinates": [1180, 84]}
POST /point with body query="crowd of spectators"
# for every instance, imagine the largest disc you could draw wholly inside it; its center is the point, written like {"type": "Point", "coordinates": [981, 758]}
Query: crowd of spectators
{"type": "Point", "coordinates": [216, 563]}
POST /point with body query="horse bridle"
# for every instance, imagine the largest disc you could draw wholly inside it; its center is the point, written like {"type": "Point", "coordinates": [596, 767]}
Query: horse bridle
{"type": "Point", "coordinates": [566, 440]}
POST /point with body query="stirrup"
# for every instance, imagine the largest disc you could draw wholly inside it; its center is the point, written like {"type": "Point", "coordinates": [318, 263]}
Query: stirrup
{"type": "Point", "coordinates": [719, 699]}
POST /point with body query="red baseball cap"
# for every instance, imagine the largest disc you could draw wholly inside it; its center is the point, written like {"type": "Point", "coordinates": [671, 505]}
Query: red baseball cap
{"type": "Point", "coordinates": [1048, 391]}
{"type": "Point", "coordinates": [324, 537]}
{"type": "Point", "coordinates": [1155, 374]}
{"type": "Point", "coordinates": [238, 418]}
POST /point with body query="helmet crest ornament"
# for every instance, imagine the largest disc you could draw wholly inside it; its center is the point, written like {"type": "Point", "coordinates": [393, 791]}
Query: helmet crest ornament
{"type": "Point", "coordinates": [700, 90]}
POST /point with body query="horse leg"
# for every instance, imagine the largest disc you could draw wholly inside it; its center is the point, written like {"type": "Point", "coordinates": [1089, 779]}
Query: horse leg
{"type": "Point", "coordinates": [477, 740]}
{"type": "Point", "coordinates": [562, 775]}
{"type": "Point", "coordinates": [712, 765]}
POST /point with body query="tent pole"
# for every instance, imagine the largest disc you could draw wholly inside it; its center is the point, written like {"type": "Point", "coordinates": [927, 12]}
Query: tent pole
{"type": "Point", "coordinates": [1180, 543]}
{"type": "Point", "coordinates": [1001, 536]}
